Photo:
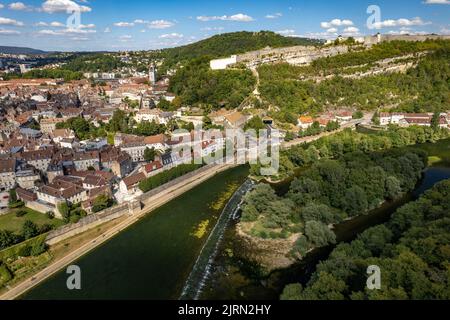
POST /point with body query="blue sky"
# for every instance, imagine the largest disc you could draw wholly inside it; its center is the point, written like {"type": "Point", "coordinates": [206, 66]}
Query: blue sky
{"type": "Point", "coordinates": [152, 24]}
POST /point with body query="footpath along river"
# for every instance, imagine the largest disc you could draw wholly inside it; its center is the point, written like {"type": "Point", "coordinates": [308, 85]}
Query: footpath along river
{"type": "Point", "coordinates": [153, 258]}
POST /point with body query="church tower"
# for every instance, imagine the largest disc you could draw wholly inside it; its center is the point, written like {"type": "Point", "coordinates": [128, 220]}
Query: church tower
{"type": "Point", "coordinates": [152, 74]}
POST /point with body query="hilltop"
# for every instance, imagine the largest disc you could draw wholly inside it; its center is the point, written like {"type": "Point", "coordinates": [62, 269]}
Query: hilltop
{"type": "Point", "coordinates": [233, 43]}
{"type": "Point", "coordinates": [20, 50]}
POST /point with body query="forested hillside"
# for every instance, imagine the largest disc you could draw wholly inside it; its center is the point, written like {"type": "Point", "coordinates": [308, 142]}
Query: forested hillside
{"type": "Point", "coordinates": [197, 84]}
{"type": "Point", "coordinates": [412, 250]}
{"type": "Point", "coordinates": [227, 44]}
{"type": "Point", "coordinates": [423, 88]}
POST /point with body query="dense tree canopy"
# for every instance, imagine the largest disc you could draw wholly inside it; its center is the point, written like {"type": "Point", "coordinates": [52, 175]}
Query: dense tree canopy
{"type": "Point", "coordinates": [197, 84]}
{"type": "Point", "coordinates": [412, 250]}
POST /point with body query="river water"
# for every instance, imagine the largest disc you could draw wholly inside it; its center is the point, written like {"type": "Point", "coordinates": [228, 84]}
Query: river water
{"type": "Point", "coordinates": [153, 258]}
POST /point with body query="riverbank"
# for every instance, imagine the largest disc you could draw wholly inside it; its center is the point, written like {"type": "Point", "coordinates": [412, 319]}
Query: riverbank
{"type": "Point", "coordinates": [238, 275]}
{"type": "Point", "coordinates": [151, 204]}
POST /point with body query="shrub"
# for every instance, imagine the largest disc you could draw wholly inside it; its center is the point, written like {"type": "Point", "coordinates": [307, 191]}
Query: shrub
{"type": "Point", "coordinates": [50, 215]}
{"type": "Point", "coordinates": [24, 251]}
{"type": "Point", "coordinates": [21, 213]}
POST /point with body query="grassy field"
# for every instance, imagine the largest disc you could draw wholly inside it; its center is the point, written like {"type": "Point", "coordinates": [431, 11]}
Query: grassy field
{"type": "Point", "coordinates": [12, 223]}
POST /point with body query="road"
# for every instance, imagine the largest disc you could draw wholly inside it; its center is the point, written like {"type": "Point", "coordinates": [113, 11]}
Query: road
{"type": "Point", "coordinates": [290, 144]}
{"type": "Point", "coordinates": [153, 203]}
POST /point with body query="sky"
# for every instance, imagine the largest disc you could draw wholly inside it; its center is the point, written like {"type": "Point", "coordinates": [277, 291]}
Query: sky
{"type": "Point", "coordinates": [112, 25]}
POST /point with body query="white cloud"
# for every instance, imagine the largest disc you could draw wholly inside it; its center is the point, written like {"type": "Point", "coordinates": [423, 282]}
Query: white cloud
{"type": "Point", "coordinates": [274, 16]}
{"type": "Point", "coordinates": [7, 32]}
{"type": "Point", "coordinates": [124, 24]}
{"type": "Point", "coordinates": [286, 32]}
{"type": "Point", "coordinates": [79, 39]}
{"type": "Point", "coordinates": [445, 31]}
{"type": "Point", "coordinates": [86, 26]}
{"type": "Point", "coordinates": [53, 6]}
{"type": "Point", "coordinates": [212, 29]}
{"type": "Point", "coordinates": [107, 30]}
{"type": "Point", "coordinates": [437, 2]}
{"type": "Point", "coordinates": [332, 30]}
{"type": "Point", "coordinates": [57, 24]}
{"type": "Point", "coordinates": [171, 36]}
{"type": "Point", "coordinates": [351, 30]}
{"type": "Point", "coordinates": [407, 32]}
{"type": "Point", "coordinates": [18, 6]}
{"type": "Point", "coordinates": [336, 23]}
{"type": "Point", "coordinates": [160, 24]}
{"type": "Point", "coordinates": [1, 6]}
{"type": "Point", "coordinates": [237, 17]}
{"type": "Point", "coordinates": [125, 38]}
{"type": "Point", "coordinates": [400, 23]}
{"type": "Point", "coordinates": [10, 22]}
{"type": "Point", "coordinates": [68, 31]}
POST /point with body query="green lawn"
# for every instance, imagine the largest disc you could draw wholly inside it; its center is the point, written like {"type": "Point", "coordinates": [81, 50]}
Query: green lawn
{"type": "Point", "coordinates": [12, 223]}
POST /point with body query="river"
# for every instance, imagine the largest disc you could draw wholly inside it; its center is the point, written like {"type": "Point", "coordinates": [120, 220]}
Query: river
{"type": "Point", "coordinates": [153, 258]}
{"type": "Point", "coordinates": [185, 250]}
{"type": "Point", "coordinates": [234, 277]}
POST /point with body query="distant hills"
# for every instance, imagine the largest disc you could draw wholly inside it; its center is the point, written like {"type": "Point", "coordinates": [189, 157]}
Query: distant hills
{"type": "Point", "coordinates": [20, 50]}
{"type": "Point", "coordinates": [233, 43]}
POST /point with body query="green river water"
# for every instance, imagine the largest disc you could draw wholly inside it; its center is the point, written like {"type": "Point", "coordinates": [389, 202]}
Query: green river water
{"type": "Point", "coordinates": [153, 258]}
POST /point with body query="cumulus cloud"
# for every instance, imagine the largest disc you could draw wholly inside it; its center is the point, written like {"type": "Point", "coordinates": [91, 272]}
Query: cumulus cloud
{"type": "Point", "coordinates": [7, 32]}
{"type": "Point", "coordinates": [171, 36]}
{"type": "Point", "coordinates": [274, 16]}
{"type": "Point", "coordinates": [400, 23]}
{"type": "Point", "coordinates": [11, 22]}
{"type": "Point", "coordinates": [124, 24]}
{"type": "Point", "coordinates": [336, 23]}
{"type": "Point", "coordinates": [236, 17]}
{"type": "Point", "coordinates": [437, 2]}
{"type": "Point", "coordinates": [351, 30]}
{"type": "Point", "coordinates": [1, 6]}
{"type": "Point", "coordinates": [212, 29]}
{"type": "Point", "coordinates": [18, 6]}
{"type": "Point", "coordinates": [68, 31]}
{"type": "Point", "coordinates": [160, 24]}
{"type": "Point", "coordinates": [286, 32]}
{"type": "Point", "coordinates": [54, 6]}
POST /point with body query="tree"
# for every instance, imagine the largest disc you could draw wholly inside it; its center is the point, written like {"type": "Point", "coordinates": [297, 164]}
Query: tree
{"type": "Point", "coordinates": [150, 154]}
{"type": "Point", "coordinates": [101, 203]}
{"type": "Point", "coordinates": [358, 115]}
{"type": "Point", "coordinates": [29, 230]}
{"type": "Point", "coordinates": [64, 209]}
{"type": "Point", "coordinates": [355, 201]}
{"type": "Point", "coordinates": [256, 124]}
{"type": "Point", "coordinates": [435, 121]}
{"type": "Point", "coordinates": [317, 212]}
{"type": "Point", "coordinates": [292, 292]}
{"type": "Point", "coordinates": [7, 239]}
{"type": "Point", "coordinates": [393, 188]}
{"type": "Point", "coordinates": [319, 234]}
{"type": "Point", "coordinates": [12, 196]}
{"type": "Point", "coordinates": [119, 122]}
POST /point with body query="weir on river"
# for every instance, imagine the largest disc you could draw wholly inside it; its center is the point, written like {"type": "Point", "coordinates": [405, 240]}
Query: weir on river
{"type": "Point", "coordinates": [202, 268]}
